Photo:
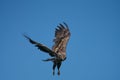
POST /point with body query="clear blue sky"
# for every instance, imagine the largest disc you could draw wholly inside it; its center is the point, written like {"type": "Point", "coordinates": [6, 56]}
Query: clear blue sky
{"type": "Point", "coordinates": [93, 52]}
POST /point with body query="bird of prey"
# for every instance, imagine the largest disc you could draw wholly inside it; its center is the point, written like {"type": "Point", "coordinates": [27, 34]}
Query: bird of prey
{"type": "Point", "coordinates": [58, 51]}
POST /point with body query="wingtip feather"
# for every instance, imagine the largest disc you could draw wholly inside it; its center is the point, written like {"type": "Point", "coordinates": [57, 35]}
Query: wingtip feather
{"type": "Point", "coordinates": [31, 41]}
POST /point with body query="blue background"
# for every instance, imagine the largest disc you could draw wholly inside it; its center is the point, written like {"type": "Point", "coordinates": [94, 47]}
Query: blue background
{"type": "Point", "coordinates": [93, 52]}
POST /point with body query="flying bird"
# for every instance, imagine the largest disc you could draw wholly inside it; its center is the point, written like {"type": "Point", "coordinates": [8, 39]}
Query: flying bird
{"type": "Point", "coordinates": [58, 51]}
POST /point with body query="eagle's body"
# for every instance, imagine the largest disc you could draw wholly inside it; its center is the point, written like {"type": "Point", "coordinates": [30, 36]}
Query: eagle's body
{"type": "Point", "coordinates": [58, 52]}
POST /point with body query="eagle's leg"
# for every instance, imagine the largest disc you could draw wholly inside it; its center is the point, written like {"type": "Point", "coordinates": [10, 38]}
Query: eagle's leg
{"type": "Point", "coordinates": [58, 66]}
{"type": "Point", "coordinates": [54, 65]}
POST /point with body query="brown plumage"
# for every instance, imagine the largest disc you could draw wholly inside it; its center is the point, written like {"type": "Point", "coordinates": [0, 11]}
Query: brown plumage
{"type": "Point", "coordinates": [58, 51]}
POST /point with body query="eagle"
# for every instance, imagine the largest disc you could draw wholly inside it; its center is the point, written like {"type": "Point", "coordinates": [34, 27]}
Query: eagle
{"type": "Point", "coordinates": [58, 51]}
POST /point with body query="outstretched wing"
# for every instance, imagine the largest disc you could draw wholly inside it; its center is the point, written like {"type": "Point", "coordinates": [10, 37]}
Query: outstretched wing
{"type": "Point", "coordinates": [62, 35]}
{"type": "Point", "coordinates": [41, 46]}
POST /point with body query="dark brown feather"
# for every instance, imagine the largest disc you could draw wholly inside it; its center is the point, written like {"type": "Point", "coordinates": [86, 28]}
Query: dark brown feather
{"type": "Point", "coordinates": [62, 35]}
{"type": "Point", "coordinates": [41, 47]}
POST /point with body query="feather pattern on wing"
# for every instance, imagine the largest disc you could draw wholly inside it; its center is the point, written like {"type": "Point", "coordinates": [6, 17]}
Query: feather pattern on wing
{"type": "Point", "coordinates": [41, 46]}
{"type": "Point", "coordinates": [62, 35]}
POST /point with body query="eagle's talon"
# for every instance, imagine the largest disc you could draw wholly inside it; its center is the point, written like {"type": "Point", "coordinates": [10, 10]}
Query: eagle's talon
{"type": "Point", "coordinates": [58, 72]}
{"type": "Point", "coordinates": [53, 73]}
